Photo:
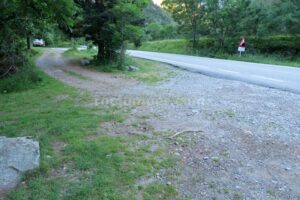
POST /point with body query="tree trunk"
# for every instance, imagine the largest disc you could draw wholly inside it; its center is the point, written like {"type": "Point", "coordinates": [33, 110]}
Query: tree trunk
{"type": "Point", "coordinates": [28, 41]}
{"type": "Point", "coordinates": [122, 54]}
{"type": "Point", "coordinates": [100, 53]}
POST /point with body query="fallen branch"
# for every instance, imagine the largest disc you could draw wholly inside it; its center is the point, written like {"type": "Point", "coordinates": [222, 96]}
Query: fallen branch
{"type": "Point", "coordinates": [187, 131]}
{"type": "Point", "coordinates": [3, 75]}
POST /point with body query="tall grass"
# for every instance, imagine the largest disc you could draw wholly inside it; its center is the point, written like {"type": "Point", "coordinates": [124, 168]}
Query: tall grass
{"type": "Point", "coordinates": [27, 77]}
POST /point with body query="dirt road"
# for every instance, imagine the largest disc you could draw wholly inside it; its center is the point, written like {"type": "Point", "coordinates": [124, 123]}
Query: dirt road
{"type": "Point", "coordinates": [233, 141]}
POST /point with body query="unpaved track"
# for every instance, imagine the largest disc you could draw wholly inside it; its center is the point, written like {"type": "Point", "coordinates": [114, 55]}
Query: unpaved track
{"type": "Point", "coordinates": [247, 139]}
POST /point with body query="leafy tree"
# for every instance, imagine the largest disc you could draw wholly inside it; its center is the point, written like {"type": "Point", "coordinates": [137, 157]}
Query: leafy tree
{"type": "Point", "coordinates": [159, 23]}
{"type": "Point", "coordinates": [189, 14]}
{"type": "Point", "coordinates": [19, 19]}
{"type": "Point", "coordinates": [110, 24]}
{"type": "Point", "coordinates": [284, 17]}
{"type": "Point", "coordinates": [229, 18]}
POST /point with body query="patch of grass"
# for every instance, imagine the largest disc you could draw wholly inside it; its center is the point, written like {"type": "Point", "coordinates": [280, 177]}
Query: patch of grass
{"type": "Point", "coordinates": [212, 185]}
{"type": "Point", "coordinates": [271, 193]}
{"type": "Point", "coordinates": [71, 73]}
{"type": "Point", "coordinates": [149, 72]}
{"type": "Point", "coordinates": [198, 177]}
{"type": "Point", "coordinates": [89, 54]}
{"type": "Point", "coordinates": [182, 47]}
{"type": "Point", "coordinates": [160, 192]}
{"type": "Point", "coordinates": [225, 190]}
{"type": "Point", "coordinates": [237, 196]}
{"type": "Point", "coordinates": [26, 78]}
{"type": "Point", "coordinates": [105, 167]}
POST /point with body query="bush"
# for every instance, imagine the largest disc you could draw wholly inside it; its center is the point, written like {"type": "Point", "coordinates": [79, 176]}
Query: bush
{"type": "Point", "coordinates": [26, 77]}
{"type": "Point", "coordinates": [287, 46]}
{"type": "Point", "coordinates": [281, 45]}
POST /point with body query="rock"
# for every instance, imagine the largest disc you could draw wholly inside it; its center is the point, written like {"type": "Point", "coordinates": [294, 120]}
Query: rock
{"type": "Point", "coordinates": [85, 61]}
{"type": "Point", "coordinates": [177, 154]}
{"type": "Point", "coordinates": [195, 111]}
{"type": "Point", "coordinates": [287, 168]}
{"type": "Point", "coordinates": [132, 68]}
{"type": "Point", "coordinates": [17, 155]}
{"type": "Point", "coordinates": [205, 158]}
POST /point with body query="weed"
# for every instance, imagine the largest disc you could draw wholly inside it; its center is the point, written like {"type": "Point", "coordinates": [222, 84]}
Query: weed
{"type": "Point", "coordinates": [237, 196]}
{"type": "Point", "coordinates": [271, 193]}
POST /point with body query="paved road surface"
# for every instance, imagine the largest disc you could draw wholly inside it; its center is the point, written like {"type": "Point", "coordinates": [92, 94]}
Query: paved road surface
{"type": "Point", "coordinates": [273, 76]}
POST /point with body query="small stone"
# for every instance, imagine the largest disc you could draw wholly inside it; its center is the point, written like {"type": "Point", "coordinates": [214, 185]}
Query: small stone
{"type": "Point", "coordinates": [132, 68]}
{"type": "Point", "coordinates": [287, 168]}
{"type": "Point", "coordinates": [177, 154]}
{"type": "Point", "coordinates": [195, 111]}
{"type": "Point", "coordinates": [205, 158]}
{"type": "Point", "coordinates": [169, 183]}
{"type": "Point", "coordinates": [84, 61]}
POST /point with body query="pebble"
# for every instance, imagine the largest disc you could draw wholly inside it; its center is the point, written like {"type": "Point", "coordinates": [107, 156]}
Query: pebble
{"type": "Point", "coordinates": [205, 158]}
{"type": "Point", "coordinates": [177, 154]}
{"type": "Point", "coordinates": [287, 168]}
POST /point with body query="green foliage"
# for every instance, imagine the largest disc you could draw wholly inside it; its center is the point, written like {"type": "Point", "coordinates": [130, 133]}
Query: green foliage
{"type": "Point", "coordinates": [25, 78]}
{"type": "Point", "coordinates": [20, 19]}
{"type": "Point", "coordinates": [281, 50]}
{"type": "Point", "coordinates": [109, 24]}
{"type": "Point", "coordinates": [154, 191]}
{"type": "Point", "coordinates": [149, 72]}
{"type": "Point", "coordinates": [234, 18]}
{"type": "Point", "coordinates": [189, 15]}
{"type": "Point", "coordinates": [159, 24]}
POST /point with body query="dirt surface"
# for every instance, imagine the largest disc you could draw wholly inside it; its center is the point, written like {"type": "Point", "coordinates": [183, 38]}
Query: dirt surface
{"type": "Point", "coordinates": [234, 140]}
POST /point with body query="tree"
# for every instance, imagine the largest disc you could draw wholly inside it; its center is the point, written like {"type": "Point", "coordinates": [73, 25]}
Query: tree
{"type": "Point", "coordinates": [189, 14]}
{"type": "Point", "coordinates": [284, 17]}
{"type": "Point", "coordinates": [19, 19]}
{"type": "Point", "coordinates": [38, 14]}
{"type": "Point", "coordinates": [228, 18]}
{"type": "Point", "coordinates": [109, 24]}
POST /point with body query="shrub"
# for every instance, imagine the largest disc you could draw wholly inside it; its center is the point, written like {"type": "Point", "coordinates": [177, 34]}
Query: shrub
{"type": "Point", "coordinates": [25, 77]}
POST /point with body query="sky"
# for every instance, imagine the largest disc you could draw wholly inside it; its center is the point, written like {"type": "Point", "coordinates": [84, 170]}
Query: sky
{"type": "Point", "coordinates": [158, 2]}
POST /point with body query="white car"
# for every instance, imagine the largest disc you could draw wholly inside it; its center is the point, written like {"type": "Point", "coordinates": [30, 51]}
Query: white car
{"type": "Point", "coordinates": [38, 42]}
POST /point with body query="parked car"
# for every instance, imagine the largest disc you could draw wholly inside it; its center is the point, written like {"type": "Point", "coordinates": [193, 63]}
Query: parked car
{"type": "Point", "coordinates": [38, 43]}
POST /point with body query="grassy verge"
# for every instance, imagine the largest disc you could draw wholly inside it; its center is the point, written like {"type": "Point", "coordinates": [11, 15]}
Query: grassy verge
{"type": "Point", "coordinates": [76, 161]}
{"type": "Point", "coordinates": [149, 72]}
{"type": "Point", "coordinates": [89, 54]}
{"type": "Point", "coordinates": [181, 47]}
{"type": "Point", "coordinates": [27, 77]}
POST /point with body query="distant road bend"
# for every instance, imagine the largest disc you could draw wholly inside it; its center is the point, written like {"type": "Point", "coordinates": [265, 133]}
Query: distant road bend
{"type": "Point", "coordinates": [273, 76]}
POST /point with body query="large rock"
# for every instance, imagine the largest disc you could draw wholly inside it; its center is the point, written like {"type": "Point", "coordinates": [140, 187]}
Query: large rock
{"type": "Point", "coordinates": [17, 155]}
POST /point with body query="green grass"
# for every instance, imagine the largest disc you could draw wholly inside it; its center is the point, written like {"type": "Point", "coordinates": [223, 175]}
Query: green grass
{"type": "Point", "coordinates": [149, 72]}
{"type": "Point", "coordinates": [27, 77]}
{"type": "Point", "coordinates": [71, 73]}
{"type": "Point", "coordinates": [181, 47]}
{"type": "Point", "coordinates": [87, 166]}
{"type": "Point", "coordinates": [80, 54]}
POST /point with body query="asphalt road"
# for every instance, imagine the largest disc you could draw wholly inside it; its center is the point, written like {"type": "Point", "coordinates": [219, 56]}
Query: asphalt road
{"type": "Point", "coordinates": [273, 76]}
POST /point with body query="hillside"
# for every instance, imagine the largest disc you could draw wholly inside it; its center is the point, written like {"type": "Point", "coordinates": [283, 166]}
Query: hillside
{"type": "Point", "coordinates": [155, 14]}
